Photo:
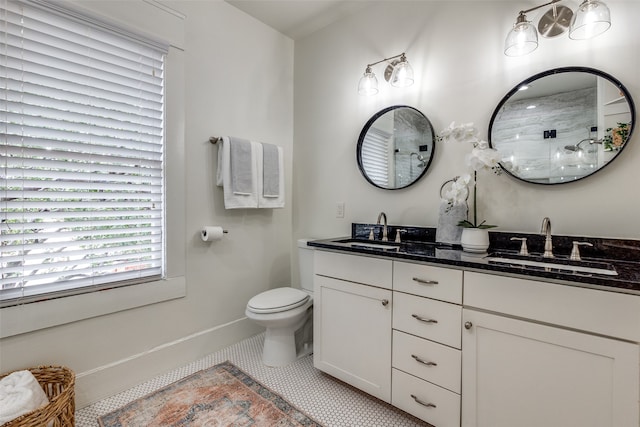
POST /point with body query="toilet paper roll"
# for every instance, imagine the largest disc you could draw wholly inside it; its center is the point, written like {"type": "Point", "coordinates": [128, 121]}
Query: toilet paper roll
{"type": "Point", "coordinates": [211, 233]}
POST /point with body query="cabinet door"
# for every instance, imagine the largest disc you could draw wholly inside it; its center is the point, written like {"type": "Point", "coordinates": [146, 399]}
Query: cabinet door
{"type": "Point", "coordinates": [352, 334]}
{"type": "Point", "coordinates": [519, 373]}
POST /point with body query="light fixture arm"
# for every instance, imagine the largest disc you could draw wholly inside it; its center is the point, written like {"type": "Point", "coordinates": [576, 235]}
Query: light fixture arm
{"type": "Point", "coordinates": [401, 56]}
{"type": "Point", "coordinates": [522, 12]}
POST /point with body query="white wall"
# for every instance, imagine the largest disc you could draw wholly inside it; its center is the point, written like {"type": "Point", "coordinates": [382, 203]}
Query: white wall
{"type": "Point", "coordinates": [455, 48]}
{"type": "Point", "coordinates": [235, 76]}
{"type": "Point", "coordinates": [227, 74]}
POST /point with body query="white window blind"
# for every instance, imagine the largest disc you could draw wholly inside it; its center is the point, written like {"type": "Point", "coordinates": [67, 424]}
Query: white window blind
{"type": "Point", "coordinates": [375, 156]}
{"type": "Point", "coordinates": [81, 155]}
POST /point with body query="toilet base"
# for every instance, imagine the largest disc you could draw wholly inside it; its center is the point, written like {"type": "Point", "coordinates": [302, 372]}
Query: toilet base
{"type": "Point", "coordinates": [280, 348]}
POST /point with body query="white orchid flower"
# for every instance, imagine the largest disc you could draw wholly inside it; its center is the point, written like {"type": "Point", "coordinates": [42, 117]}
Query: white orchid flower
{"type": "Point", "coordinates": [482, 144]}
{"type": "Point", "coordinates": [462, 133]}
{"type": "Point", "coordinates": [458, 193]}
{"type": "Point", "coordinates": [483, 159]}
{"type": "Point", "coordinates": [509, 165]}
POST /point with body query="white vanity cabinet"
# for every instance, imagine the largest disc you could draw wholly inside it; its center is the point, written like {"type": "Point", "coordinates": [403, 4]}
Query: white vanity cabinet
{"type": "Point", "coordinates": [426, 352]}
{"type": "Point", "coordinates": [463, 348]}
{"type": "Point", "coordinates": [352, 320]}
{"type": "Point", "coordinates": [539, 354]}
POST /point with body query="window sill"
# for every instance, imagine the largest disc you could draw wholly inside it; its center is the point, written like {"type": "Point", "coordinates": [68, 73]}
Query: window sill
{"type": "Point", "coordinates": [21, 319]}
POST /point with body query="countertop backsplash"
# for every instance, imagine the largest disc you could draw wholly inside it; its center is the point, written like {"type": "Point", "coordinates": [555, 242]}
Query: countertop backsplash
{"type": "Point", "coordinates": [603, 248]}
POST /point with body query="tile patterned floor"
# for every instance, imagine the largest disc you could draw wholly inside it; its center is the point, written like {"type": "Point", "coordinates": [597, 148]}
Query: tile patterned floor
{"type": "Point", "coordinates": [330, 402]}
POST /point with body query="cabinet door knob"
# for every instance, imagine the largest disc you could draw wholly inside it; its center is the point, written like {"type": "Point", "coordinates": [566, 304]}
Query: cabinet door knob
{"type": "Point", "coordinates": [468, 325]}
{"type": "Point", "coordinates": [422, 319]}
{"type": "Point", "coordinates": [385, 302]}
{"type": "Point", "coordinates": [428, 405]}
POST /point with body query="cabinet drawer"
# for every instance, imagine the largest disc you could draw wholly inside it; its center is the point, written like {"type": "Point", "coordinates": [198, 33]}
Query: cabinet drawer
{"type": "Point", "coordinates": [608, 313]}
{"type": "Point", "coordinates": [433, 282]}
{"type": "Point", "coordinates": [430, 403]}
{"type": "Point", "coordinates": [428, 360]}
{"type": "Point", "coordinates": [353, 268]}
{"type": "Point", "coordinates": [435, 320]}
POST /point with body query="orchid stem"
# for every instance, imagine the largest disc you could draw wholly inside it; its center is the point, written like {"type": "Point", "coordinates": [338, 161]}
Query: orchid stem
{"type": "Point", "coordinates": [475, 209]}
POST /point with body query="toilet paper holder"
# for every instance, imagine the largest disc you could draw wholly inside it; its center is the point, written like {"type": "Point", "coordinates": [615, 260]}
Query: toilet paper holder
{"type": "Point", "coordinates": [212, 233]}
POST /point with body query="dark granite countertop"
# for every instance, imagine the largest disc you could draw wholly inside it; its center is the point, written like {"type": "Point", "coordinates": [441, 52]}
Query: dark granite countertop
{"type": "Point", "coordinates": [419, 245]}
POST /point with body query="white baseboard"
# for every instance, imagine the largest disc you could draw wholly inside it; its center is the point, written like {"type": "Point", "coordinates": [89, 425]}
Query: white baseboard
{"type": "Point", "coordinates": [118, 376]}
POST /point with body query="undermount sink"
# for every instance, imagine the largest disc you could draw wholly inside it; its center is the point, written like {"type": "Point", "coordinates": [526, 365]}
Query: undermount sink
{"type": "Point", "coordinates": [357, 243]}
{"type": "Point", "coordinates": [557, 265]}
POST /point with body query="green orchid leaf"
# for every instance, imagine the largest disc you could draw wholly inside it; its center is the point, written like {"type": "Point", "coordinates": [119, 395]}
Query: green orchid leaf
{"type": "Point", "coordinates": [484, 226]}
{"type": "Point", "coordinates": [466, 224]}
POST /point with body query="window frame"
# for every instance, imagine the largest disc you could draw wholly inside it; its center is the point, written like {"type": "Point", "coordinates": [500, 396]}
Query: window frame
{"type": "Point", "coordinates": [58, 311]}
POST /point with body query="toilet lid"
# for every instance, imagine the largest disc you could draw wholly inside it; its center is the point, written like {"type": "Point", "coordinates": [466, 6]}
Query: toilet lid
{"type": "Point", "coordinates": [277, 300]}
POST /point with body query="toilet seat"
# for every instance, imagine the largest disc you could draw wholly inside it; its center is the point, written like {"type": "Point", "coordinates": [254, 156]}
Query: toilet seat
{"type": "Point", "coordinates": [277, 300]}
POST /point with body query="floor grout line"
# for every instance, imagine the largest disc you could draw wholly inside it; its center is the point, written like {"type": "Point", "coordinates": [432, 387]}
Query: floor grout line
{"type": "Point", "coordinates": [327, 400]}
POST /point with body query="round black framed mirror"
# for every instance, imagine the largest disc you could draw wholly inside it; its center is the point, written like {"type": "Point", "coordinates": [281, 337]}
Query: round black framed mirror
{"type": "Point", "coordinates": [562, 125]}
{"type": "Point", "coordinates": [395, 147]}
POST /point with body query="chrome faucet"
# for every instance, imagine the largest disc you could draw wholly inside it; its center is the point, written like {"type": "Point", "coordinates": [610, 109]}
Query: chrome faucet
{"type": "Point", "coordinates": [548, 244]}
{"type": "Point", "coordinates": [383, 215]}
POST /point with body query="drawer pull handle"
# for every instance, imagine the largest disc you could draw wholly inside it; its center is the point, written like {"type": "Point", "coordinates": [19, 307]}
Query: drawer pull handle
{"type": "Point", "coordinates": [428, 405]}
{"type": "Point", "coordinates": [385, 302]}
{"type": "Point", "coordinates": [424, 362]}
{"type": "Point", "coordinates": [425, 282]}
{"type": "Point", "coordinates": [422, 319]}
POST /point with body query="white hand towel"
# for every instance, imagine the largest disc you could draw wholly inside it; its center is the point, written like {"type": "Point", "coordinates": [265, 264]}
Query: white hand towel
{"type": "Point", "coordinates": [272, 201]}
{"type": "Point", "coordinates": [223, 163]}
{"type": "Point", "coordinates": [242, 166]}
{"type": "Point", "coordinates": [448, 230]}
{"type": "Point", "coordinates": [223, 178]}
{"type": "Point", "coordinates": [270, 170]}
{"type": "Point", "coordinates": [20, 393]}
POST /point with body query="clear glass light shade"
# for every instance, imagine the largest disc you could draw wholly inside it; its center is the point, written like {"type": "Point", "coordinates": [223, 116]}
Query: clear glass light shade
{"type": "Point", "coordinates": [521, 40]}
{"type": "Point", "coordinates": [591, 19]}
{"type": "Point", "coordinates": [368, 84]}
{"type": "Point", "coordinates": [402, 75]}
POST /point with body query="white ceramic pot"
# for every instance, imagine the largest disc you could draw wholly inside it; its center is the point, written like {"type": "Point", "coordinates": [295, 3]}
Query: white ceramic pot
{"type": "Point", "coordinates": [475, 240]}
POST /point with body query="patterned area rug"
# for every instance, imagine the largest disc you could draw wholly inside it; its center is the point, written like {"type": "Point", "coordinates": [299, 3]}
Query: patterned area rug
{"type": "Point", "coordinates": [222, 395]}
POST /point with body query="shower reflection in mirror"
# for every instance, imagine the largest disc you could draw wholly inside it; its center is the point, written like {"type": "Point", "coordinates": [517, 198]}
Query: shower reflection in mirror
{"type": "Point", "coordinates": [563, 126]}
{"type": "Point", "coordinates": [395, 147]}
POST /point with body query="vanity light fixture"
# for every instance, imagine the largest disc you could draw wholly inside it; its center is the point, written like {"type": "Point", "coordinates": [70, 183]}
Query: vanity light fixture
{"type": "Point", "coordinates": [592, 18]}
{"type": "Point", "coordinates": [398, 73]}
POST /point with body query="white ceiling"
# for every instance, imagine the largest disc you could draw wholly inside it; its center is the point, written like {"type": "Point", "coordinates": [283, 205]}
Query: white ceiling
{"type": "Point", "coordinates": [298, 18]}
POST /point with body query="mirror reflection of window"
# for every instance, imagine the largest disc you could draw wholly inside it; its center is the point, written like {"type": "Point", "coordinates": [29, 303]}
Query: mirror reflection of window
{"type": "Point", "coordinates": [375, 156]}
{"type": "Point", "coordinates": [395, 147]}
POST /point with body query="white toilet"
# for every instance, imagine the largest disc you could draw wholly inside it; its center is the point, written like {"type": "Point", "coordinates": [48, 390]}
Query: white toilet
{"type": "Point", "coordinates": [287, 313]}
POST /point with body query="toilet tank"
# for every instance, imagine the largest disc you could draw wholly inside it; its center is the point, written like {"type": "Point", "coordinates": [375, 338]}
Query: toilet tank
{"type": "Point", "coordinates": [305, 264]}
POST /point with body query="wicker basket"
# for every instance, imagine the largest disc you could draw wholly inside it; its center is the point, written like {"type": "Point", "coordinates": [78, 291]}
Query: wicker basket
{"type": "Point", "coordinates": [58, 384]}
